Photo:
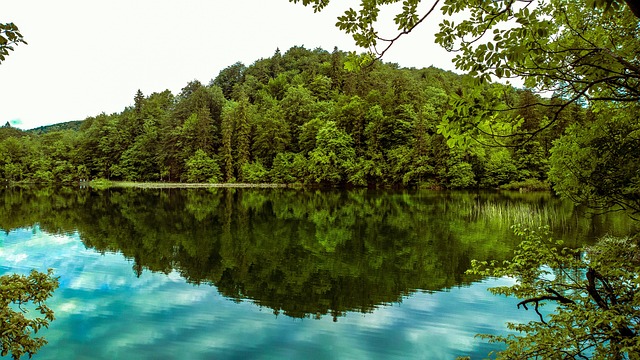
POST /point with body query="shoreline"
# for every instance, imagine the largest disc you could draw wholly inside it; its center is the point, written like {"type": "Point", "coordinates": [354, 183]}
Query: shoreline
{"type": "Point", "coordinates": [175, 185]}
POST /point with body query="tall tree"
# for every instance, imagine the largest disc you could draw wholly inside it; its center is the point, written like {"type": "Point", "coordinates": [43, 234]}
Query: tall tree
{"type": "Point", "coordinates": [272, 136]}
{"type": "Point", "coordinates": [137, 100]}
{"type": "Point", "coordinates": [226, 150]}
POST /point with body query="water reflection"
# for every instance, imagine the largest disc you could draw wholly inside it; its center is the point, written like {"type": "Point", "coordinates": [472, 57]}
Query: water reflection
{"type": "Point", "coordinates": [300, 253]}
{"type": "Point", "coordinates": [104, 312]}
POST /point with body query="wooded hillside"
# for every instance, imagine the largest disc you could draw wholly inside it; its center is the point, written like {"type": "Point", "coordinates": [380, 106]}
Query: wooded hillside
{"type": "Point", "coordinates": [296, 117]}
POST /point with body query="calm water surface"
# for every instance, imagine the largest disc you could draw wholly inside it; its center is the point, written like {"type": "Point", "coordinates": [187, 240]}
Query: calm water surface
{"type": "Point", "coordinates": [273, 274]}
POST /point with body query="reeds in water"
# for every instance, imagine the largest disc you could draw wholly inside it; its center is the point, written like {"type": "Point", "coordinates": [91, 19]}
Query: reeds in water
{"type": "Point", "coordinates": [526, 214]}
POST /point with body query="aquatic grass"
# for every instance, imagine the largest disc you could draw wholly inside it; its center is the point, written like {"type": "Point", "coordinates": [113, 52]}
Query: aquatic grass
{"type": "Point", "coordinates": [101, 184]}
{"type": "Point", "coordinates": [527, 214]}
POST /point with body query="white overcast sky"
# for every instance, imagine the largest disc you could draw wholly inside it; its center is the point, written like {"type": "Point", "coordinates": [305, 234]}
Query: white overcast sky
{"type": "Point", "coordinates": [86, 57]}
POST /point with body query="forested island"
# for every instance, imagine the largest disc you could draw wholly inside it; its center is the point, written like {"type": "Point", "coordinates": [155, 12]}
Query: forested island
{"type": "Point", "coordinates": [295, 117]}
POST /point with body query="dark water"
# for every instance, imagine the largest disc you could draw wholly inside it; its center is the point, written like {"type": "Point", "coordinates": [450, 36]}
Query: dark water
{"type": "Point", "coordinates": [258, 273]}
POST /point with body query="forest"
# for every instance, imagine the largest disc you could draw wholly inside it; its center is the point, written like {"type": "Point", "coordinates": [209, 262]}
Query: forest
{"type": "Point", "coordinates": [297, 117]}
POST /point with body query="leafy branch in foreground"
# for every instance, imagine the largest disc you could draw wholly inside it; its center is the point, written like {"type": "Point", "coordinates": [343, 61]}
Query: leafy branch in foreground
{"type": "Point", "coordinates": [579, 54]}
{"type": "Point", "coordinates": [9, 36]}
{"type": "Point", "coordinates": [592, 298]}
{"type": "Point", "coordinates": [598, 164]}
{"type": "Point", "coordinates": [16, 329]}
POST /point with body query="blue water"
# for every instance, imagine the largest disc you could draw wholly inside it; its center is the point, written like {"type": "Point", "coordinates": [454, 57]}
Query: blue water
{"type": "Point", "coordinates": [104, 311]}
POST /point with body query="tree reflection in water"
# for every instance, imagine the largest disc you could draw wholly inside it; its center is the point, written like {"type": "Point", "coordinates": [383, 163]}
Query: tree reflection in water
{"type": "Point", "coordinates": [303, 253]}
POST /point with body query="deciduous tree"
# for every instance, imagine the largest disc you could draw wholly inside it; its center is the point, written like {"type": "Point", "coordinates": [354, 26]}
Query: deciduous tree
{"type": "Point", "coordinates": [19, 296]}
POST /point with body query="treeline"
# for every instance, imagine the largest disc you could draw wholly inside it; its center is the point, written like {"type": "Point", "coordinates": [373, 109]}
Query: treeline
{"type": "Point", "coordinates": [296, 117]}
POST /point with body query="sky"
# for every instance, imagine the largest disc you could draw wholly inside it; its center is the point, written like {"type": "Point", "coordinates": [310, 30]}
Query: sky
{"type": "Point", "coordinates": [84, 57]}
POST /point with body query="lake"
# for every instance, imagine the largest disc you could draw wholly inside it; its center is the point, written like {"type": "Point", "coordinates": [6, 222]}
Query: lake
{"type": "Point", "coordinates": [275, 273]}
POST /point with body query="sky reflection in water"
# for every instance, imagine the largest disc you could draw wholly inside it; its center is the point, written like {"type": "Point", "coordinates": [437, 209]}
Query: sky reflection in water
{"type": "Point", "coordinates": [103, 311]}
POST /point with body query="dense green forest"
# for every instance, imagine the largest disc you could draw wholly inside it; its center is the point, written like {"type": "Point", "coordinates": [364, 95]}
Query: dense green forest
{"type": "Point", "coordinates": [297, 117]}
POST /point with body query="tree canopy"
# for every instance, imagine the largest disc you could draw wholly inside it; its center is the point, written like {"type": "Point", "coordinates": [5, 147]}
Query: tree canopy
{"type": "Point", "coordinates": [295, 117]}
{"type": "Point", "coordinates": [10, 36]}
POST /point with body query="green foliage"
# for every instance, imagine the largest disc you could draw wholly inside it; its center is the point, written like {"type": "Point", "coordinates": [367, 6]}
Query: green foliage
{"type": "Point", "coordinates": [530, 49]}
{"type": "Point", "coordinates": [386, 121]}
{"type": "Point", "coordinates": [9, 37]}
{"type": "Point", "coordinates": [68, 125]}
{"type": "Point", "coordinates": [527, 185]}
{"type": "Point", "coordinates": [229, 77]}
{"type": "Point", "coordinates": [499, 169]}
{"type": "Point", "coordinates": [19, 295]}
{"type": "Point", "coordinates": [579, 54]}
{"type": "Point", "coordinates": [202, 168]}
{"type": "Point", "coordinates": [274, 136]}
{"type": "Point", "coordinates": [461, 176]}
{"type": "Point", "coordinates": [592, 293]}
{"type": "Point", "coordinates": [288, 168]}
{"type": "Point", "coordinates": [599, 164]}
{"type": "Point", "coordinates": [255, 173]}
{"type": "Point", "coordinates": [334, 156]}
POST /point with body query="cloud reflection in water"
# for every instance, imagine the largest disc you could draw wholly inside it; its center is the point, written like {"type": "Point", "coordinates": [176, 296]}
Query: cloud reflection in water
{"type": "Point", "coordinates": [103, 311]}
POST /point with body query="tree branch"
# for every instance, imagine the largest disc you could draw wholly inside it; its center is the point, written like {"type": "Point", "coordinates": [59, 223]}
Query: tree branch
{"type": "Point", "coordinates": [555, 297]}
{"type": "Point", "coordinates": [403, 32]}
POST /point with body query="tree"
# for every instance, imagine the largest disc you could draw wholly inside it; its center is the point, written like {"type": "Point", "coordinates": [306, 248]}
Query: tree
{"type": "Point", "coordinates": [352, 119]}
{"type": "Point", "coordinates": [138, 100]}
{"type": "Point", "coordinates": [254, 173]}
{"type": "Point", "coordinates": [599, 164]}
{"type": "Point", "coordinates": [9, 37]}
{"type": "Point", "coordinates": [243, 121]}
{"type": "Point", "coordinates": [594, 292]}
{"type": "Point", "coordinates": [582, 51]}
{"type": "Point", "coordinates": [202, 168]}
{"type": "Point", "coordinates": [229, 77]}
{"type": "Point", "coordinates": [272, 136]}
{"type": "Point", "coordinates": [580, 54]}
{"type": "Point", "coordinates": [226, 150]}
{"type": "Point", "coordinates": [333, 158]}
{"type": "Point", "coordinates": [287, 168]}
{"type": "Point", "coordinates": [298, 107]}
{"type": "Point", "coordinates": [17, 293]}
{"type": "Point", "coordinates": [236, 137]}
{"type": "Point", "coordinates": [362, 24]}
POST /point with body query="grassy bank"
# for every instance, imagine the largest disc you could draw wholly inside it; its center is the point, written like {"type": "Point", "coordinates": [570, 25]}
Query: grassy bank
{"type": "Point", "coordinates": [104, 184]}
